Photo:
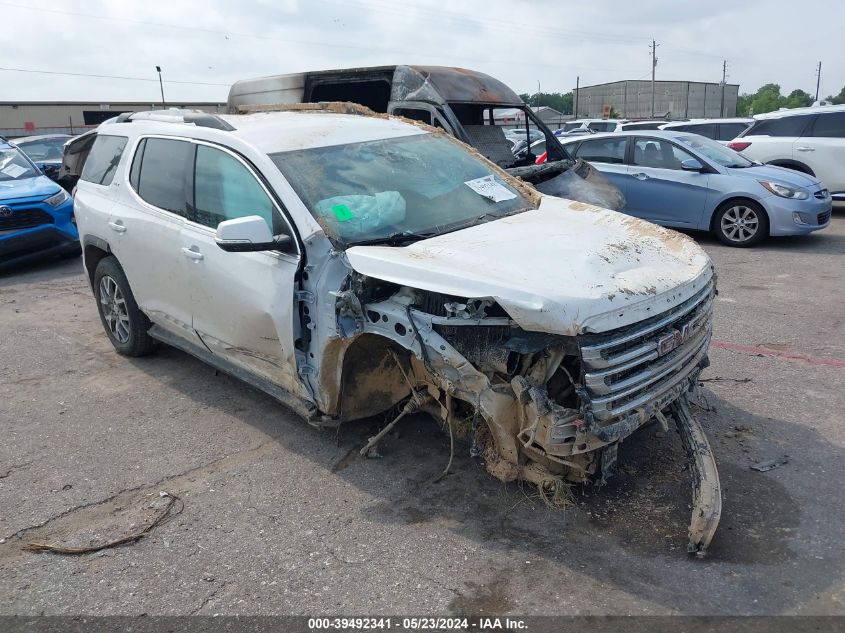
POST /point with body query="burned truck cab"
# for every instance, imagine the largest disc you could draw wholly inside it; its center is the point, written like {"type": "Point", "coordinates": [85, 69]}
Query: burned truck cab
{"type": "Point", "coordinates": [469, 105]}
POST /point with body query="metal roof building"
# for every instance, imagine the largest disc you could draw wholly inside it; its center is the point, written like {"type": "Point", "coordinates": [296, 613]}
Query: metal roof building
{"type": "Point", "coordinates": [678, 99]}
{"type": "Point", "coordinates": [25, 118]}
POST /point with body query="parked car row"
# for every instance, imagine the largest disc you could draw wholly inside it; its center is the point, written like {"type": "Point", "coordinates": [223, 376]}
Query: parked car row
{"type": "Point", "coordinates": [684, 180]}
{"type": "Point", "coordinates": [36, 214]}
{"type": "Point", "coordinates": [809, 140]}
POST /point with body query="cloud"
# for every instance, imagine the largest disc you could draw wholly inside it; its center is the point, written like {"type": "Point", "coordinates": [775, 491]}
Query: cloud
{"type": "Point", "coordinates": [520, 42]}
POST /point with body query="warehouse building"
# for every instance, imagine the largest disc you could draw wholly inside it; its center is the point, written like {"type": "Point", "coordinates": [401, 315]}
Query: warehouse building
{"type": "Point", "coordinates": [25, 118]}
{"type": "Point", "coordinates": [676, 99]}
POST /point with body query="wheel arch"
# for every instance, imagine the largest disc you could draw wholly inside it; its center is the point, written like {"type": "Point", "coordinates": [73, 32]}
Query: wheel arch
{"type": "Point", "coordinates": [795, 165]}
{"type": "Point", "coordinates": [94, 249]}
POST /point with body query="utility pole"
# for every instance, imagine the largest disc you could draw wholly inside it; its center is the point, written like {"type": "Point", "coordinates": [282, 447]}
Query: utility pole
{"type": "Point", "coordinates": [724, 79]}
{"type": "Point", "coordinates": [818, 79]}
{"type": "Point", "coordinates": [577, 93]}
{"type": "Point", "coordinates": [654, 46]}
{"type": "Point", "coordinates": [161, 85]}
{"type": "Point", "coordinates": [538, 94]}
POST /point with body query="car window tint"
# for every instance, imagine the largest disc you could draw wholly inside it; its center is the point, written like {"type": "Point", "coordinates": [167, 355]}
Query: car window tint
{"type": "Point", "coordinates": [163, 173]}
{"type": "Point", "coordinates": [103, 159]}
{"type": "Point", "coordinates": [135, 170]}
{"type": "Point", "coordinates": [782, 126]}
{"type": "Point", "coordinates": [830, 125]}
{"type": "Point", "coordinates": [225, 189]}
{"type": "Point", "coordinates": [603, 150]}
{"type": "Point", "coordinates": [45, 149]}
{"type": "Point", "coordinates": [729, 131]}
{"type": "Point", "coordinates": [651, 125]}
{"type": "Point", "coordinates": [602, 126]}
{"type": "Point", "coordinates": [652, 152]}
{"type": "Point", "coordinates": [538, 148]}
{"type": "Point", "coordinates": [704, 129]}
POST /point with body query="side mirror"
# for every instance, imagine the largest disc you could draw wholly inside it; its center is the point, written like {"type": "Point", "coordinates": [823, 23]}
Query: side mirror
{"type": "Point", "coordinates": [692, 164]}
{"type": "Point", "coordinates": [248, 234]}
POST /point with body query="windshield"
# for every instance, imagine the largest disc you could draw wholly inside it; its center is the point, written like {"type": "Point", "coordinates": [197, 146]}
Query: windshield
{"type": "Point", "coordinates": [14, 166]}
{"type": "Point", "coordinates": [716, 152]}
{"type": "Point", "coordinates": [411, 186]}
{"type": "Point", "coordinates": [44, 149]}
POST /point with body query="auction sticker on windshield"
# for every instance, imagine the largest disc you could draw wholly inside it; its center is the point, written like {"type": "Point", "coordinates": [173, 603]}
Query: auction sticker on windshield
{"type": "Point", "coordinates": [490, 188]}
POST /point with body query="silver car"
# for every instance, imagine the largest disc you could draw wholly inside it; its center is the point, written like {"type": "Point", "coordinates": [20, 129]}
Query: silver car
{"type": "Point", "coordinates": [688, 181]}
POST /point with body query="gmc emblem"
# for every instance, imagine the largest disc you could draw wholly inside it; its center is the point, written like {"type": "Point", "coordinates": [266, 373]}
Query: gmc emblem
{"type": "Point", "coordinates": [678, 337]}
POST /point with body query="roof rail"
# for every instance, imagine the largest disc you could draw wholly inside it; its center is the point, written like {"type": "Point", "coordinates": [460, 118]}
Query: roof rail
{"type": "Point", "coordinates": [177, 115]}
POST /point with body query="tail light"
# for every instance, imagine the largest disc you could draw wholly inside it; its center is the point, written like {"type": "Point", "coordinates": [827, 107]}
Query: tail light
{"type": "Point", "coordinates": [738, 146]}
{"type": "Point", "coordinates": [541, 159]}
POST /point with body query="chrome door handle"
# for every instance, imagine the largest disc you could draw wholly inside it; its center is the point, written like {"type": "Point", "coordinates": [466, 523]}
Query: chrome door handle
{"type": "Point", "coordinates": [190, 253]}
{"type": "Point", "coordinates": [640, 176]}
{"type": "Point", "coordinates": [117, 227]}
{"type": "Point", "coordinates": [806, 149]}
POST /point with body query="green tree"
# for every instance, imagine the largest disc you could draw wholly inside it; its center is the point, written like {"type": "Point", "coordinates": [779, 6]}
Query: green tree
{"type": "Point", "coordinates": [743, 104]}
{"type": "Point", "coordinates": [769, 98]}
{"type": "Point", "coordinates": [766, 99]}
{"type": "Point", "coordinates": [798, 99]}
{"type": "Point", "coordinates": [562, 102]}
{"type": "Point", "coordinates": [840, 98]}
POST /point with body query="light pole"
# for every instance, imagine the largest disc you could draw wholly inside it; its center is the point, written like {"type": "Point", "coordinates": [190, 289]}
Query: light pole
{"type": "Point", "coordinates": [161, 85]}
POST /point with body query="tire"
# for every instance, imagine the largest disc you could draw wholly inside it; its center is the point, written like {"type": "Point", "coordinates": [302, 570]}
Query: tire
{"type": "Point", "coordinates": [741, 223]}
{"type": "Point", "coordinates": [124, 323]}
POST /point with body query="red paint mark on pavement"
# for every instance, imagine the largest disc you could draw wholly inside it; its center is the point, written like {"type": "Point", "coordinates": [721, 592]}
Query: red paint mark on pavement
{"type": "Point", "coordinates": [762, 351]}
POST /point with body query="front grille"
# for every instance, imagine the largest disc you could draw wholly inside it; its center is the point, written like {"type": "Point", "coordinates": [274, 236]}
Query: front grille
{"type": "Point", "coordinates": [24, 219]}
{"type": "Point", "coordinates": [633, 367]}
{"type": "Point", "coordinates": [823, 218]}
{"type": "Point", "coordinates": [822, 194]}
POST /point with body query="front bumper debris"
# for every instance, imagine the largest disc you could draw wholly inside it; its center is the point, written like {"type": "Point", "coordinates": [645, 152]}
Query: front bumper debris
{"type": "Point", "coordinates": [706, 492]}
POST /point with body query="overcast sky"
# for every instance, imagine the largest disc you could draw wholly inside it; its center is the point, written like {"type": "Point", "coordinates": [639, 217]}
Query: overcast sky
{"type": "Point", "coordinates": [215, 42]}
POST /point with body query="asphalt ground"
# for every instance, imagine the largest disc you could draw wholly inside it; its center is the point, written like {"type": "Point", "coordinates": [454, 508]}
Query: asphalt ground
{"type": "Point", "coordinates": [276, 517]}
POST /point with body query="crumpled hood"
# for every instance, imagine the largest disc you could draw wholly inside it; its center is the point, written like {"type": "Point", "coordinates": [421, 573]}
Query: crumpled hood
{"type": "Point", "coordinates": [566, 268]}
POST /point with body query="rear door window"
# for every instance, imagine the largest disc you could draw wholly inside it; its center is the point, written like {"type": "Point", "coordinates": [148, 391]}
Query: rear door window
{"type": "Point", "coordinates": [603, 150]}
{"type": "Point", "coordinates": [782, 126]}
{"type": "Point", "coordinates": [162, 176]}
{"type": "Point", "coordinates": [829, 125]}
{"type": "Point", "coordinates": [729, 131]}
{"type": "Point", "coordinates": [657, 153]}
{"type": "Point", "coordinates": [704, 129]}
{"type": "Point", "coordinates": [103, 159]}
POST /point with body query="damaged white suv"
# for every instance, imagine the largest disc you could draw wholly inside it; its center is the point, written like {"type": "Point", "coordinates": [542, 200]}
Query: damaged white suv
{"type": "Point", "coordinates": [351, 265]}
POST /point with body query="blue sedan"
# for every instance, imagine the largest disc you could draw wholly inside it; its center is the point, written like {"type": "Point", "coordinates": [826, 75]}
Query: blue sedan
{"type": "Point", "coordinates": [36, 215]}
{"type": "Point", "coordinates": [688, 181]}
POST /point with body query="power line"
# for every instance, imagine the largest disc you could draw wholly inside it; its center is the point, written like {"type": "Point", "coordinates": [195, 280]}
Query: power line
{"type": "Point", "coordinates": [53, 72]}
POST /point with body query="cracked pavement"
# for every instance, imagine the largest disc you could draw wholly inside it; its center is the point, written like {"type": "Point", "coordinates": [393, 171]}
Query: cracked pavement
{"type": "Point", "coordinates": [278, 520]}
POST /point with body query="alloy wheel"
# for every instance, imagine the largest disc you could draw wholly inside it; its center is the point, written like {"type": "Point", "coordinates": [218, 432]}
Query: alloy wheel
{"type": "Point", "coordinates": [740, 223]}
{"type": "Point", "coordinates": [113, 305]}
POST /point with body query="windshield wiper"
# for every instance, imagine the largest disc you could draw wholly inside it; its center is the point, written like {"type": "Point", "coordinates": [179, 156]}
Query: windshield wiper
{"type": "Point", "coordinates": [395, 239]}
{"type": "Point", "coordinates": [406, 237]}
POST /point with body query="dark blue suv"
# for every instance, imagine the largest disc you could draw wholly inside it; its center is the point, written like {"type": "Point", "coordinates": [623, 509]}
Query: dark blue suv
{"type": "Point", "coordinates": [36, 214]}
